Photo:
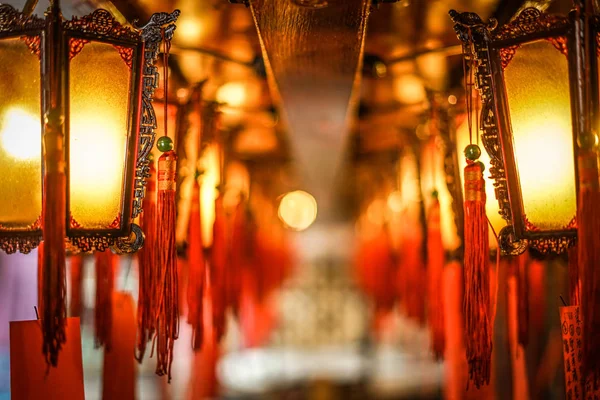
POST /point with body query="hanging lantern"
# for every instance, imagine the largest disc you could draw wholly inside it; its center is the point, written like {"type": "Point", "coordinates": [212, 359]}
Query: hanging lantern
{"type": "Point", "coordinates": [529, 74]}
{"type": "Point", "coordinates": [84, 88]}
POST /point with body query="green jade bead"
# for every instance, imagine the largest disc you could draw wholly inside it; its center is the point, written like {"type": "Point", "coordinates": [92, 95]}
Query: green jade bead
{"type": "Point", "coordinates": [164, 144]}
{"type": "Point", "coordinates": [472, 152]}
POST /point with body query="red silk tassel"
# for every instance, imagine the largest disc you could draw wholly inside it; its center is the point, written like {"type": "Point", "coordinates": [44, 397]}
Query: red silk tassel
{"type": "Point", "coordinates": [149, 273]}
{"type": "Point", "coordinates": [476, 303]}
{"type": "Point", "coordinates": [40, 281]}
{"type": "Point", "coordinates": [523, 300]}
{"type": "Point", "coordinates": [196, 270]}
{"type": "Point", "coordinates": [588, 223]}
{"type": "Point", "coordinates": [241, 254]}
{"type": "Point", "coordinates": [203, 384]}
{"type": "Point", "coordinates": [435, 270]}
{"type": "Point", "coordinates": [218, 261]}
{"type": "Point", "coordinates": [256, 316]}
{"type": "Point", "coordinates": [375, 266]}
{"type": "Point", "coordinates": [411, 274]}
{"type": "Point", "coordinates": [119, 372]}
{"type": "Point", "coordinates": [537, 285]}
{"type": "Point", "coordinates": [53, 263]}
{"type": "Point", "coordinates": [167, 321]}
{"type": "Point", "coordinates": [573, 268]}
{"type": "Point", "coordinates": [105, 282]}
{"type": "Point", "coordinates": [76, 274]}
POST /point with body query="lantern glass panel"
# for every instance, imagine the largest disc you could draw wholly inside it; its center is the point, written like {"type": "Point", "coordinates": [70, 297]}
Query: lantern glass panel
{"type": "Point", "coordinates": [100, 85]}
{"type": "Point", "coordinates": [492, 208]}
{"type": "Point", "coordinates": [20, 135]}
{"type": "Point", "coordinates": [537, 88]}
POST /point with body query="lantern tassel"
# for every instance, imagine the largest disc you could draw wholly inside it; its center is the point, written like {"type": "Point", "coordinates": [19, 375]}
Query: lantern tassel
{"type": "Point", "coordinates": [410, 275]}
{"type": "Point", "coordinates": [523, 300]}
{"type": "Point", "coordinates": [105, 282]}
{"type": "Point", "coordinates": [573, 276]}
{"type": "Point", "coordinates": [76, 273]}
{"type": "Point", "coordinates": [588, 220]}
{"type": "Point", "coordinates": [53, 263]}
{"type": "Point", "coordinates": [435, 270]}
{"type": "Point", "coordinates": [219, 268]}
{"type": "Point", "coordinates": [476, 302]}
{"type": "Point", "coordinates": [167, 321]}
{"type": "Point", "coordinates": [195, 290]}
{"type": "Point", "coordinates": [149, 273]}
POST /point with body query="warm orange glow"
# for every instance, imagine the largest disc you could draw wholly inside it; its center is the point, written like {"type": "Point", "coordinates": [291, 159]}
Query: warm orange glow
{"type": "Point", "coordinates": [211, 176]}
{"type": "Point", "coordinates": [21, 134]}
{"type": "Point", "coordinates": [99, 111]}
{"type": "Point", "coordinates": [394, 201]}
{"type": "Point", "coordinates": [190, 30]}
{"type": "Point", "coordinates": [298, 210]}
{"type": "Point", "coordinates": [409, 89]}
{"type": "Point", "coordinates": [537, 85]}
{"type": "Point", "coordinates": [233, 94]}
{"type": "Point", "coordinates": [238, 184]}
{"type": "Point", "coordinates": [377, 212]}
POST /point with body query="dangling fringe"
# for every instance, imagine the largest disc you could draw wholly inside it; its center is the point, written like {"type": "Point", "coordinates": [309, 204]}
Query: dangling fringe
{"type": "Point", "coordinates": [410, 274]}
{"type": "Point", "coordinates": [241, 254]}
{"type": "Point", "coordinates": [105, 282]}
{"type": "Point", "coordinates": [167, 322]}
{"type": "Point", "coordinates": [537, 285]}
{"type": "Point", "coordinates": [76, 273]}
{"type": "Point", "coordinates": [588, 234]}
{"type": "Point", "coordinates": [219, 268]}
{"type": "Point", "coordinates": [476, 303]}
{"type": "Point", "coordinates": [573, 276]}
{"type": "Point", "coordinates": [119, 371]}
{"type": "Point", "coordinates": [203, 384]}
{"type": "Point", "coordinates": [435, 270]}
{"type": "Point", "coordinates": [196, 269]}
{"type": "Point", "coordinates": [53, 260]}
{"type": "Point", "coordinates": [40, 281]}
{"type": "Point", "coordinates": [149, 273]}
{"type": "Point", "coordinates": [523, 300]}
{"type": "Point", "coordinates": [374, 266]}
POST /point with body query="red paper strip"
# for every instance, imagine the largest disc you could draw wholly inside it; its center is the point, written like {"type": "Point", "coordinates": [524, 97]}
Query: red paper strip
{"type": "Point", "coordinates": [571, 323]}
{"type": "Point", "coordinates": [30, 376]}
{"type": "Point", "coordinates": [119, 375]}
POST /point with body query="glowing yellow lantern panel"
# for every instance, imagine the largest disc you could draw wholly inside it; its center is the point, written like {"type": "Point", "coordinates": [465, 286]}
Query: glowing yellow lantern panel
{"type": "Point", "coordinates": [20, 136]}
{"type": "Point", "coordinates": [298, 210]}
{"type": "Point", "coordinates": [537, 87]}
{"type": "Point", "coordinates": [100, 92]}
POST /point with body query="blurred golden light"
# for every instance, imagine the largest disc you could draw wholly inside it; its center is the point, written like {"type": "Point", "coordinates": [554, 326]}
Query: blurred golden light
{"type": "Point", "coordinates": [394, 201]}
{"type": "Point", "coordinates": [377, 212]}
{"type": "Point", "coordinates": [21, 134]}
{"type": "Point", "coordinates": [409, 89]}
{"type": "Point", "coordinates": [233, 94]}
{"type": "Point", "coordinates": [298, 210]}
{"type": "Point", "coordinates": [211, 177]}
{"type": "Point", "coordinates": [190, 30]}
{"type": "Point", "coordinates": [452, 99]}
